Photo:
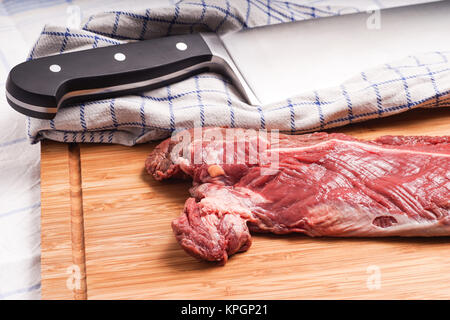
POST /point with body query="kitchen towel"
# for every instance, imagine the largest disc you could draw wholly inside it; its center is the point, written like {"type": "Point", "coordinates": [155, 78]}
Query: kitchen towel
{"type": "Point", "coordinates": [209, 99]}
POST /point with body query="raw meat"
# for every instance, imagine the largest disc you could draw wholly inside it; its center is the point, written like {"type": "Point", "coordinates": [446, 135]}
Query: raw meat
{"type": "Point", "coordinates": [318, 184]}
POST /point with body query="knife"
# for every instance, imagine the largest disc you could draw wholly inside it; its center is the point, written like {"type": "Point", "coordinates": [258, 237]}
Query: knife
{"type": "Point", "coordinates": [266, 64]}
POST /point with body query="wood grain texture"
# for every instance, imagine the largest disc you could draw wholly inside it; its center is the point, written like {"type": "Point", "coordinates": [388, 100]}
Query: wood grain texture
{"type": "Point", "coordinates": [56, 239]}
{"type": "Point", "coordinates": [131, 253]}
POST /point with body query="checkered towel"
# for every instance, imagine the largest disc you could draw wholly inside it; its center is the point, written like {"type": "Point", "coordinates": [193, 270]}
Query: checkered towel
{"type": "Point", "coordinates": [209, 99]}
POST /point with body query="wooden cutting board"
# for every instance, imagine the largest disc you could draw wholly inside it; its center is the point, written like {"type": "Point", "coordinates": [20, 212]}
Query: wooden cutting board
{"type": "Point", "coordinates": [106, 235]}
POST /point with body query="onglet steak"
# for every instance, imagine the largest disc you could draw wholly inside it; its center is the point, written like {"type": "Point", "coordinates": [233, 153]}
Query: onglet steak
{"type": "Point", "coordinates": [318, 184]}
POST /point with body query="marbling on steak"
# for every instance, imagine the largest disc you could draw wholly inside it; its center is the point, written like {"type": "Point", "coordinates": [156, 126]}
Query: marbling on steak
{"type": "Point", "coordinates": [324, 185]}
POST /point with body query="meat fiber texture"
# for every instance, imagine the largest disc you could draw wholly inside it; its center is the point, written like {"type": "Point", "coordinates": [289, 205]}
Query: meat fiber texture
{"type": "Point", "coordinates": [317, 184]}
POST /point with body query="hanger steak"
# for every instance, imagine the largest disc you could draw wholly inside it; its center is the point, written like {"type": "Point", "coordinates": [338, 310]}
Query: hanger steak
{"type": "Point", "coordinates": [318, 184]}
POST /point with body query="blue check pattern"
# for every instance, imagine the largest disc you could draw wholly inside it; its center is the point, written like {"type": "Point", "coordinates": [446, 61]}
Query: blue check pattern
{"type": "Point", "coordinates": [209, 99]}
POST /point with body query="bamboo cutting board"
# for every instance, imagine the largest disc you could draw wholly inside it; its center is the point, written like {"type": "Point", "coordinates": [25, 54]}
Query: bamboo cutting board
{"type": "Point", "coordinates": [106, 235]}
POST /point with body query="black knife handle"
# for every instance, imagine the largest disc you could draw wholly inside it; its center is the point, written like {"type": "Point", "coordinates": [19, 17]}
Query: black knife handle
{"type": "Point", "coordinates": [38, 88]}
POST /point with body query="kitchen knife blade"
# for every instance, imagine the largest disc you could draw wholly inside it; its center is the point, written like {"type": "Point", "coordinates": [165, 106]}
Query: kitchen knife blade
{"type": "Point", "coordinates": [266, 64]}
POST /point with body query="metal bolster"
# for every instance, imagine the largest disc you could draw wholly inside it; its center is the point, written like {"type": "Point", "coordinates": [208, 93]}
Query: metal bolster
{"type": "Point", "coordinates": [223, 63]}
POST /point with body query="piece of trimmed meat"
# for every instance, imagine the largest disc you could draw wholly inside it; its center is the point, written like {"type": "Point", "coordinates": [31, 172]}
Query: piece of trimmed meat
{"type": "Point", "coordinates": [318, 184]}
